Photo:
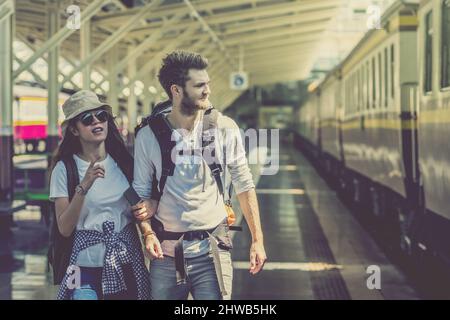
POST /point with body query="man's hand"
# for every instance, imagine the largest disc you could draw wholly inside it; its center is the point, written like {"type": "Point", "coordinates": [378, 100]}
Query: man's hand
{"type": "Point", "coordinates": [145, 209]}
{"type": "Point", "coordinates": [257, 257]}
{"type": "Point", "coordinates": [153, 247]}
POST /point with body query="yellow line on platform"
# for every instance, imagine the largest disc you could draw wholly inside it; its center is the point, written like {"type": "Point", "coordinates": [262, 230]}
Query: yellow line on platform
{"type": "Point", "coordinates": [281, 191]}
{"type": "Point", "coordinates": [293, 266]}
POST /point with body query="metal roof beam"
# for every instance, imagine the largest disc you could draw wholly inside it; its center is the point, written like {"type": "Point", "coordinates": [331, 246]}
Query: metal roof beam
{"type": "Point", "coordinates": [165, 10]}
{"type": "Point", "coordinates": [147, 43]}
{"type": "Point", "coordinates": [306, 31]}
{"type": "Point", "coordinates": [273, 10]}
{"type": "Point", "coordinates": [298, 33]}
{"type": "Point", "coordinates": [6, 9]}
{"type": "Point", "coordinates": [114, 38]}
{"type": "Point", "coordinates": [36, 77]}
{"type": "Point", "coordinates": [61, 35]}
{"type": "Point", "coordinates": [31, 47]}
{"type": "Point", "coordinates": [264, 45]}
{"type": "Point", "coordinates": [217, 41]}
{"type": "Point", "coordinates": [253, 55]}
{"type": "Point", "coordinates": [305, 18]}
{"type": "Point", "coordinates": [274, 57]}
{"type": "Point", "coordinates": [157, 58]}
{"type": "Point", "coordinates": [290, 17]}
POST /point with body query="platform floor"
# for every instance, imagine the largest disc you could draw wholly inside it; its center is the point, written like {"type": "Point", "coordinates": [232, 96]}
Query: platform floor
{"type": "Point", "coordinates": [316, 249]}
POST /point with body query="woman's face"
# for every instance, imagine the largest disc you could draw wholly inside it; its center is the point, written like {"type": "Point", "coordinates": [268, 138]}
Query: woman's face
{"type": "Point", "coordinates": [92, 126]}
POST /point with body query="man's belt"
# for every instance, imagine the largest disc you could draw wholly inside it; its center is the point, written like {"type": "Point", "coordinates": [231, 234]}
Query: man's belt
{"type": "Point", "coordinates": [188, 235]}
{"type": "Point", "coordinates": [179, 251]}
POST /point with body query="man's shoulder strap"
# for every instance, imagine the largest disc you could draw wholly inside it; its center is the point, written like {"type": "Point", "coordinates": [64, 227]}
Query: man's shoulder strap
{"type": "Point", "coordinates": [72, 175]}
{"type": "Point", "coordinates": [210, 119]}
{"type": "Point", "coordinates": [163, 134]}
{"type": "Point", "coordinates": [208, 144]}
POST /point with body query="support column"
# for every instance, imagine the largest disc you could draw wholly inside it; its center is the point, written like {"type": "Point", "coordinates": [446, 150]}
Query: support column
{"type": "Point", "coordinates": [6, 138]}
{"type": "Point", "coordinates": [6, 122]}
{"type": "Point", "coordinates": [53, 83]}
{"type": "Point", "coordinates": [113, 93]}
{"type": "Point", "coordinates": [132, 100]}
{"type": "Point", "coordinates": [85, 45]}
{"type": "Point", "coordinates": [148, 96]}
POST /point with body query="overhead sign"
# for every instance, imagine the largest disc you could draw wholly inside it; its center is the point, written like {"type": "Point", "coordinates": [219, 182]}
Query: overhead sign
{"type": "Point", "coordinates": [238, 81]}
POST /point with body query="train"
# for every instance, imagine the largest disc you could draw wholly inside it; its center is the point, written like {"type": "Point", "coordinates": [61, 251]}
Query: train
{"type": "Point", "coordinates": [30, 118]}
{"type": "Point", "coordinates": [377, 126]}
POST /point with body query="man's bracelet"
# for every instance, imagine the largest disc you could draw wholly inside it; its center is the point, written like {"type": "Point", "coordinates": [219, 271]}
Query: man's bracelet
{"type": "Point", "coordinates": [147, 233]}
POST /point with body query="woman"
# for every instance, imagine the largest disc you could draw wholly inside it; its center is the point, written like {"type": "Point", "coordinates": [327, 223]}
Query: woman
{"type": "Point", "coordinates": [107, 250]}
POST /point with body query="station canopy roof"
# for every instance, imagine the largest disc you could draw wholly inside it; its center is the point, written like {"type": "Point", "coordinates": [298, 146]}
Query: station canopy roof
{"type": "Point", "coordinates": [271, 40]}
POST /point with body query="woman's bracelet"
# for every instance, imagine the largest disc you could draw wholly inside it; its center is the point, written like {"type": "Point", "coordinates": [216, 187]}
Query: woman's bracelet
{"type": "Point", "coordinates": [80, 189]}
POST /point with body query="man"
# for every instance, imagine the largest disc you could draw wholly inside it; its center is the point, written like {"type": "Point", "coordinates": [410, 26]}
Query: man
{"type": "Point", "coordinates": [189, 207]}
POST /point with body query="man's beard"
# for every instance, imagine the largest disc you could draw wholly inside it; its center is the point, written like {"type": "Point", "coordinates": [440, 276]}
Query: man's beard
{"type": "Point", "coordinates": [189, 107]}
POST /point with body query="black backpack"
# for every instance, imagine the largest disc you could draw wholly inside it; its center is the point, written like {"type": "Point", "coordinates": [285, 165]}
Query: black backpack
{"type": "Point", "coordinates": [60, 247]}
{"type": "Point", "coordinates": [163, 133]}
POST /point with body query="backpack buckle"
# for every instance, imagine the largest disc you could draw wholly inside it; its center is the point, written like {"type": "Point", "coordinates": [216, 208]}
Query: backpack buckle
{"type": "Point", "coordinates": [216, 170]}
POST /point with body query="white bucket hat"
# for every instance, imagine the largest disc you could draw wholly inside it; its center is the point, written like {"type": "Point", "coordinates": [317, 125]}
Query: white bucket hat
{"type": "Point", "coordinates": [79, 102]}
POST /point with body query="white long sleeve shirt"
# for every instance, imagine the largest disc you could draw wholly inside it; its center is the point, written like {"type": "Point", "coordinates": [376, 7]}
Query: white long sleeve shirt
{"type": "Point", "coordinates": [191, 199]}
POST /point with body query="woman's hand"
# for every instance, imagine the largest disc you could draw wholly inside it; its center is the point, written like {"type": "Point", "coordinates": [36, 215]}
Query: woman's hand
{"type": "Point", "coordinates": [93, 172]}
{"type": "Point", "coordinates": [145, 209]}
{"type": "Point", "coordinates": [153, 247]}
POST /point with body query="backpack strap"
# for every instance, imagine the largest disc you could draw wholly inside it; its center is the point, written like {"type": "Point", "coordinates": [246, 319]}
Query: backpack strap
{"type": "Point", "coordinates": [60, 247]}
{"type": "Point", "coordinates": [73, 178]}
{"type": "Point", "coordinates": [208, 139]}
{"type": "Point", "coordinates": [163, 134]}
{"type": "Point", "coordinates": [160, 108]}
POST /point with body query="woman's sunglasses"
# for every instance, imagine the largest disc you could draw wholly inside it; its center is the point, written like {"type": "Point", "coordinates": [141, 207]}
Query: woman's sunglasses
{"type": "Point", "coordinates": [88, 118]}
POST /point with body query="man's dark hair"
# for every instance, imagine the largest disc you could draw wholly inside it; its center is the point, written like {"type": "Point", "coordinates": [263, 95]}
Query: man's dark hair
{"type": "Point", "coordinates": [175, 68]}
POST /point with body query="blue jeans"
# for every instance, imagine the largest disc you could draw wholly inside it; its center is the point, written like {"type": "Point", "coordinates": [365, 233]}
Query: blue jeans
{"type": "Point", "coordinates": [91, 285]}
{"type": "Point", "coordinates": [201, 278]}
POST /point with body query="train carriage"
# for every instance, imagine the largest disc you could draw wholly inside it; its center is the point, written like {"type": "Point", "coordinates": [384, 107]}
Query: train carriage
{"type": "Point", "coordinates": [393, 127]}
{"type": "Point", "coordinates": [433, 123]}
{"type": "Point", "coordinates": [30, 118]}
{"type": "Point", "coordinates": [374, 111]}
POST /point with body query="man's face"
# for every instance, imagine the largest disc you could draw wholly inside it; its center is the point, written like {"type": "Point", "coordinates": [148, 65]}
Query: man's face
{"type": "Point", "coordinates": [196, 92]}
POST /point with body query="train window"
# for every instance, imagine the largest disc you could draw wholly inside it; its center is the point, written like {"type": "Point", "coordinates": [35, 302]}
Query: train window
{"type": "Point", "coordinates": [355, 88]}
{"type": "Point", "coordinates": [386, 77]}
{"type": "Point", "coordinates": [357, 81]}
{"type": "Point", "coordinates": [392, 71]}
{"type": "Point", "coordinates": [380, 83]}
{"type": "Point", "coordinates": [368, 85]}
{"type": "Point", "coordinates": [374, 83]}
{"type": "Point", "coordinates": [428, 80]}
{"type": "Point", "coordinates": [351, 93]}
{"type": "Point", "coordinates": [346, 98]}
{"type": "Point", "coordinates": [446, 44]}
{"type": "Point", "coordinates": [363, 87]}
{"type": "Point", "coordinates": [355, 91]}
{"type": "Point", "coordinates": [360, 77]}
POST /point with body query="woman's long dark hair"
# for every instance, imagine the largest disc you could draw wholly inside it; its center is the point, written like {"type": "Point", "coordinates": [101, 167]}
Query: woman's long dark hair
{"type": "Point", "coordinates": [114, 145]}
